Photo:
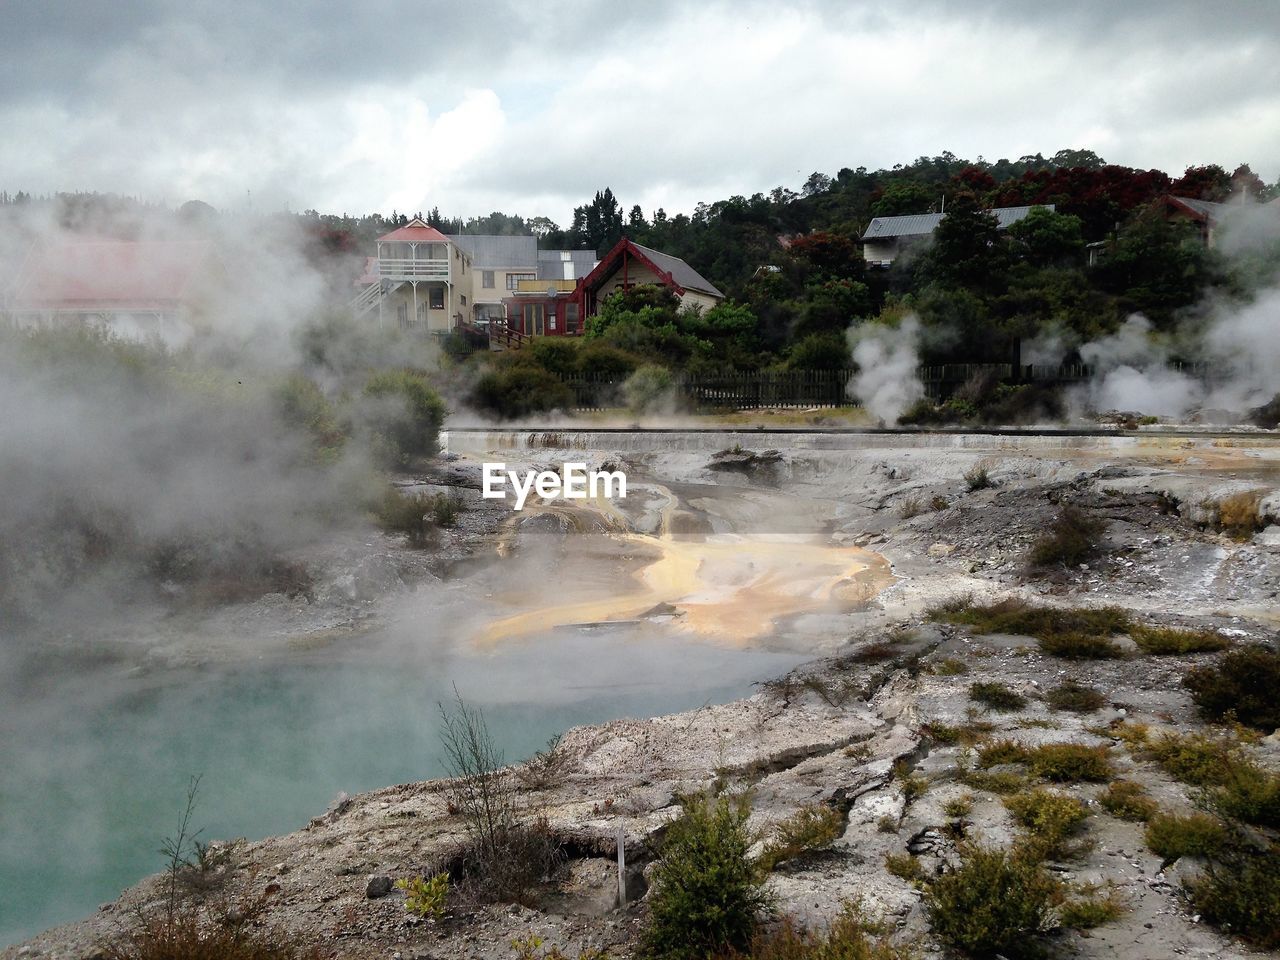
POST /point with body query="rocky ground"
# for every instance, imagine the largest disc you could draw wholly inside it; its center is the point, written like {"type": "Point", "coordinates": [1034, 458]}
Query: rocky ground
{"type": "Point", "coordinates": [857, 732]}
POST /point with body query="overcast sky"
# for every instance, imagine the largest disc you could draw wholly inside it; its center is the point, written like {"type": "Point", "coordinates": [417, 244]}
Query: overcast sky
{"type": "Point", "coordinates": [530, 107]}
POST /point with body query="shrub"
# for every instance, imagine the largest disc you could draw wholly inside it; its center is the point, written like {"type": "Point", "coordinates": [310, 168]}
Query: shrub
{"type": "Point", "coordinates": [813, 827]}
{"type": "Point", "coordinates": [938, 502]}
{"type": "Point", "coordinates": [189, 936]}
{"type": "Point", "coordinates": [910, 507]}
{"type": "Point", "coordinates": [1048, 817]}
{"type": "Point", "coordinates": [1241, 685]}
{"type": "Point", "coordinates": [1172, 835]}
{"type": "Point", "coordinates": [1075, 697]}
{"type": "Point", "coordinates": [1127, 800]}
{"type": "Point", "coordinates": [303, 406]}
{"type": "Point", "coordinates": [410, 514]}
{"type": "Point", "coordinates": [1162, 641]}
{"type": "Point", "coordinates": [445, 508]}
{"type": "Point", "coordinates": [996, 696]}
{"type": "Point", "coordinates": [425, 898]}
{"type": "Point", "coordinates": [1242, 894]}
{"type": "Point", "coordinates": [405, 417]}
{"type": "Point", "coordinates": [518, 390]}
{"type": "Point", "coordinates": [1080, 646]}
{"type": "Point", "coordinates": [849, 937]}
{"type": "Point", "coordinates": [1248, 793]}
{"type": "Point", "coordinates": [505, 858]}
{"type": "Point", "coordinates": [1071, 762]}
{"type": "Point", "coordinates": [707, 895]}
{"type": "Point", "coordinates": [1238, 515]}
{"type": "Point", "coordinates": [1198, 759]}
{"type": "Point", "coordinates": [1001, 782]}
{"type": "Point", "coordinates": [1000, 752]}
{"type": "Point", "coordinates": [978, 477]}
{"type": "Point", "coordinates": [911, 786]}
{"type": "Point", "coordinates": [903, 866]}
{"type": "Point", "coordinates": [950, 667]}
{"type": "Point", "coordinates": [651, 388]}
{"type": "Point", "coordinates": [992, 902]}
{"type": "Point", "coordinates": [1073, 537]}
{"type": "Point", "coordinates": [1075, 633]}
{"type": "Point", "coordinates": [1090, 912]}
{"type": "Point", "coordinates": [959, 806]}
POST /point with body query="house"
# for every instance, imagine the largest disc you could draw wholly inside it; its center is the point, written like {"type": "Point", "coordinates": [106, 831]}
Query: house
{"type": "Point", "coordinates": [629, 265]}
{"type": "Point", "coordinates": [137, 287]}
{"type": "Point", "coordinates": [549, 303]}
{"type": "Point", "coordinates": [1204, 215]}
{"type": "Point", "coordinates": [886, 237]}
{"type": "Point", "coordinates": [424, 280]}
{"type": "Point", "coordinates": [419, 279]}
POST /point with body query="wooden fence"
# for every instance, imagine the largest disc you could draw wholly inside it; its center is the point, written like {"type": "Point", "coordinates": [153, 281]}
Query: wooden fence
{"type": "Point", "coordinates": [829, 388]}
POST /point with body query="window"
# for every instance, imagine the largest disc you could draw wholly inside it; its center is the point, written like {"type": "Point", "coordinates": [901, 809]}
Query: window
{"type": "Point", "coordinates": [514, 278]}
{"type": "Point", "coordinates": [464, 299]}
{"type": "Point", "coordinates": [571, 318]}
{"type": "Point", "coordinates": [486, 279]}
{"type": "Point", "coordinates": [436, 297]}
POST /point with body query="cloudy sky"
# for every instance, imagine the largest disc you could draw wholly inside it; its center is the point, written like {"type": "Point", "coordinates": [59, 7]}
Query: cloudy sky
{"type": "Point", "coordinates": [529, 107]}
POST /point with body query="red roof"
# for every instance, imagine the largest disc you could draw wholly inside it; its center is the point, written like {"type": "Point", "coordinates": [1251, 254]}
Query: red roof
{"type": "Point", "coordinates": [71, 273]}
{"type": "Point", "coordinates": [415, 231]}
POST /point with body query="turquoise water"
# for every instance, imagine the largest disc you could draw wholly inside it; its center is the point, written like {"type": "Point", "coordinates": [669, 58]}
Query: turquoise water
{"type": "Point", "coordinates": [94, 765]}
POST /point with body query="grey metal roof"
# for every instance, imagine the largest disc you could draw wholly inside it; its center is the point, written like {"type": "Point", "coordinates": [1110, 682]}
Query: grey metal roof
{"type": "Point", "coordinates": [681, 272]}
{"type": "Point", "coordinates": [489, 252]}
{"type": "Point", "coordinates": [551, 263]}
{"type": "Point", "coordinates": [1205, 208]}
{"type": "Point", "coordinates": [920, 224]}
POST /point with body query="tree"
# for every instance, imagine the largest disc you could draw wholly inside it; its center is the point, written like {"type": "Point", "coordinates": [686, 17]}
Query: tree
{"type": "Point", "coordinates": [967, 249]}
{"type": "Point", "coordinates": [1043, 238]}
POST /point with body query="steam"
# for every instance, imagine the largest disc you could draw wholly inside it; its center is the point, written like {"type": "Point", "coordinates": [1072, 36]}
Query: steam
{"type": "Point", "coordinates": [887, 357]}
{"type": "Point", "coordinates": [1132, 373]}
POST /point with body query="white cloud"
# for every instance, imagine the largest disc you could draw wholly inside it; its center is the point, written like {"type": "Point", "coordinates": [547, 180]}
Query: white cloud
{"type": "Point", "coordinates": [690, 102]}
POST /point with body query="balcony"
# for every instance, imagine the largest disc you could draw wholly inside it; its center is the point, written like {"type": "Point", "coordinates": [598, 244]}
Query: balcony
{"type": "Point", "coordinates": [411, 269]}
{"type": "Point", "coordinates": [541, 287]}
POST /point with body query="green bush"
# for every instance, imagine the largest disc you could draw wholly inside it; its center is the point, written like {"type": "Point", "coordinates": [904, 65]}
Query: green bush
{"type": "Point", "coordinates": [993, 902]}
{"type": "Point", "coordinates": [518, 390]}
{"type": "Point", "coordinates": [1163, 641]}
{"type": "Point", "coordinates": [813, 827]}
{"type": "Point", "coordinates": [849, 937]}
{"type": "Point", "coordinates": [1242, 685]}
{"type": "Point", "coordinates": [978, 477]}
{"type": "Point", "coordinates": [1197, 759]}
{"type": "Point", "coordinates": [1172, 835]}
{"type": "Point", "coordinates": [1241, 893]}
{"type": "Point", "coordinates": [1049, 818]}
{"type": "Point", "coordinates": [406, 423]}
{"type": "Point", "coordinates": [707, 895]}
{"type": "Point", "coordinates": [304, 407]}
{"type": "Point", "coordinates": [410, 514]}
{"type": "Point", "coordinates": [1089, 912]}
{"type": "Point", "coordinates": [1071, 762]}
{"type": "Point", "coordinates": [1074, 633]}
{"type": "Point", "coordinates": [1127, 800]}
{"type": "Point", "coordinates": [650, 388]}
{"type": "Point", "coordinates": [904, 866]}
{"type": "Point", "coordinates": [999, 752]}
{"type": "Point", "coordinates": [996, 696]}
{"type": "Point", "coordinates": [1248, 793]}
{"type": "Point", "coordinates": [425, 897]}
{"type": "Point", "coordinates": [1073, 537]}
{"type": "Point", "coordinates": [1075, 697]}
